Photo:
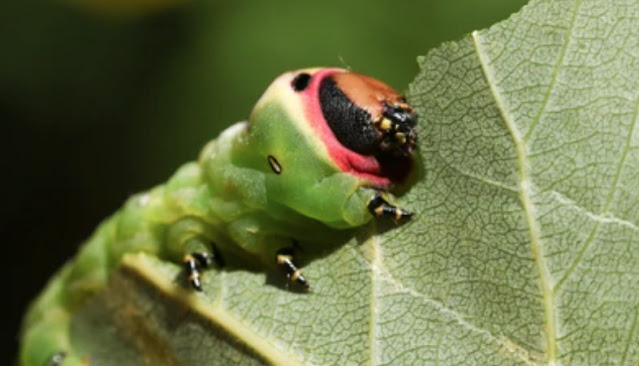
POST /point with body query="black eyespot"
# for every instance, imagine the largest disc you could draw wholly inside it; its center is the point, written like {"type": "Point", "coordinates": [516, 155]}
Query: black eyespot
{"type": "Point", "coordinates": [301, 82]}
{"type": "Point", "coordinates": [275, 165]}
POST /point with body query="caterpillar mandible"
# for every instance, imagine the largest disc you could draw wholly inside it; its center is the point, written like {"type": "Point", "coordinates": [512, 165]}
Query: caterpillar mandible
{"type": "Point", "coordinates": [320, 150]}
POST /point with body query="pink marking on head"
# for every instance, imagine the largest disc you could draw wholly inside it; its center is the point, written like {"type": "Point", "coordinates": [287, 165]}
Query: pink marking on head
{"type": "Point", "coordinates": [361, 166]}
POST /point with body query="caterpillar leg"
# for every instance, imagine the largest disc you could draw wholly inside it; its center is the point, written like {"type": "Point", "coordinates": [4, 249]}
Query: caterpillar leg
{"type": "Point", "coordinates": [63, 359]}
{"type": "Point", "coordinates": [196, 261]}
{"type": "Point", "coordinates": [193, 263]}
{"type": "Point", "coordinates": [379, 207]}
{"type": "Point", "coordinates": [57, 358]}
{"type": "Point", "coordinates": [189, 240]}
{"type": "Point", "coordinates": [285, 260]}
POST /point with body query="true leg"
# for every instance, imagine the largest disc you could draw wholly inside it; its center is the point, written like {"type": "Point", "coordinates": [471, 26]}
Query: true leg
{"type": "Point", "coordinates": [379, 207]}
{"type": "Point", "coordinates": [285, 261]}
{"type": "Point", "coordinates": [193, 263]}
{"type": "Point", "coordinates": [189, 239]}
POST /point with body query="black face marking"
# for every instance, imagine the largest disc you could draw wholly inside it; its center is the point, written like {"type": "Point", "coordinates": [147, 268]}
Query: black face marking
{"type": "Point", "coordinates": [301, 82]}
{"type": "Point", "coordinates": [406, 118]}
{"type": "Point", "coordinates": [399, 135]}
{"type": "Point", "coordinates": [397, 167]}
{"type": "Point", "coordinates": [351, 125]}
{"type": "Point", "coordinates": [275, 165]}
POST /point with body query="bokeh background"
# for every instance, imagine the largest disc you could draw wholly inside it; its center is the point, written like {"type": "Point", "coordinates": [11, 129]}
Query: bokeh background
{"type": "Point", "coordinates": [99, 101]}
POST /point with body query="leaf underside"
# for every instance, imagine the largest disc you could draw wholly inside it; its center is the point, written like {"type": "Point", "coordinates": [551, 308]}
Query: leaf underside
{"type": "Point", "coordinates": [524, 245]}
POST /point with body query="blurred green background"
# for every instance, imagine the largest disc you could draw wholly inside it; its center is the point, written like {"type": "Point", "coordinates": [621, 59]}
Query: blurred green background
{"type": "Point", "coordinates": [95, 107]}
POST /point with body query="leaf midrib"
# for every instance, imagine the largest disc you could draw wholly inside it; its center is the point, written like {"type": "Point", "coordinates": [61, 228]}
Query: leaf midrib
{"type": "Point", "coordinates": [213, 311]}
{"type": "Point", "coordinates": [525, 194]}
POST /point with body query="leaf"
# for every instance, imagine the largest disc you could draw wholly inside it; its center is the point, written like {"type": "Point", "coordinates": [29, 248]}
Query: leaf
{"type": "Point", "coordinates": [523, 249]}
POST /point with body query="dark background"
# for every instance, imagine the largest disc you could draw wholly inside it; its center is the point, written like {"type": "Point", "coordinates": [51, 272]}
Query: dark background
{"type": "Point", "coordinates": [96, 106]}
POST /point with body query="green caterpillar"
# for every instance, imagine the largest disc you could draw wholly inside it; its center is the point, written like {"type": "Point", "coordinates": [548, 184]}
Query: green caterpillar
{"type": "Point", "coordinates": [320, 150]}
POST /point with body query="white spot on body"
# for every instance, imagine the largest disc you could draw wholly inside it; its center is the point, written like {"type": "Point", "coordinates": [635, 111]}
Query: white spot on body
{"type": "Point", "coordinates": [144, 199]}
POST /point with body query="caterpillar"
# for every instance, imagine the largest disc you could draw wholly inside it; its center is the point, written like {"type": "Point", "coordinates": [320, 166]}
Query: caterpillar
{"type": "Point", "coordinates": [320, 150]}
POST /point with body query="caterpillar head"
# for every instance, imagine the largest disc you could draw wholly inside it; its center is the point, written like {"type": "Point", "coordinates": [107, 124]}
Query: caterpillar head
{"type": "Point", "coordinates": [365, 127]}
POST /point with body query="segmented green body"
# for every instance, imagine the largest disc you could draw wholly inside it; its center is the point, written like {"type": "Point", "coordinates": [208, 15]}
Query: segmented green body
{"type": "Point", "coordinates": [256, 187]}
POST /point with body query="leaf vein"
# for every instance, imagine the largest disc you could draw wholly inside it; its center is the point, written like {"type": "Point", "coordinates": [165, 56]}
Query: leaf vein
{"type": "Point", "coordinates": [373, 335]}
{"type": "Point", "coordinates": [555, 73]}
{"type": "Point", "coordinates": [485, 181]}
{"type": "Point", "coordinates": [615, 182]}
{"type": "Point", "coordinates": [633, 327]}
{"type": "Point", "coordinates": [216, 312]}
{"type": "Point", "coordinates": [525, 194]}
{"type": "Point", "coordinates": [602, 219]}
{"type": "Point", "coordinates": [503, 342]}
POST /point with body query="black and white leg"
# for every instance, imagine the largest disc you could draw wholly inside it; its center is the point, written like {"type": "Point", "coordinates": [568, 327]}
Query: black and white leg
{"type": "Point", "coordinates": [285, 260]}
{"type": "Point", "coordinates": [379, 207]}
{"type": "Point", "coordinates": [194, 262]}
{"type": "Point", "coordinates": [56, 359]}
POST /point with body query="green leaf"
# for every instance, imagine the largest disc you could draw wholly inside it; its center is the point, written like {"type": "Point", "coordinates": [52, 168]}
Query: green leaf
{"type": "Point", "coordinates": [523, 249]}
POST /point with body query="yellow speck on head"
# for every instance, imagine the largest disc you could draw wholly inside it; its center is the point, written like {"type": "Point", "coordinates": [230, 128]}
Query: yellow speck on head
{"type": "Point", "coordinates": [400, 137]}
{"type": "Point", "coordinates": [386, 124]}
